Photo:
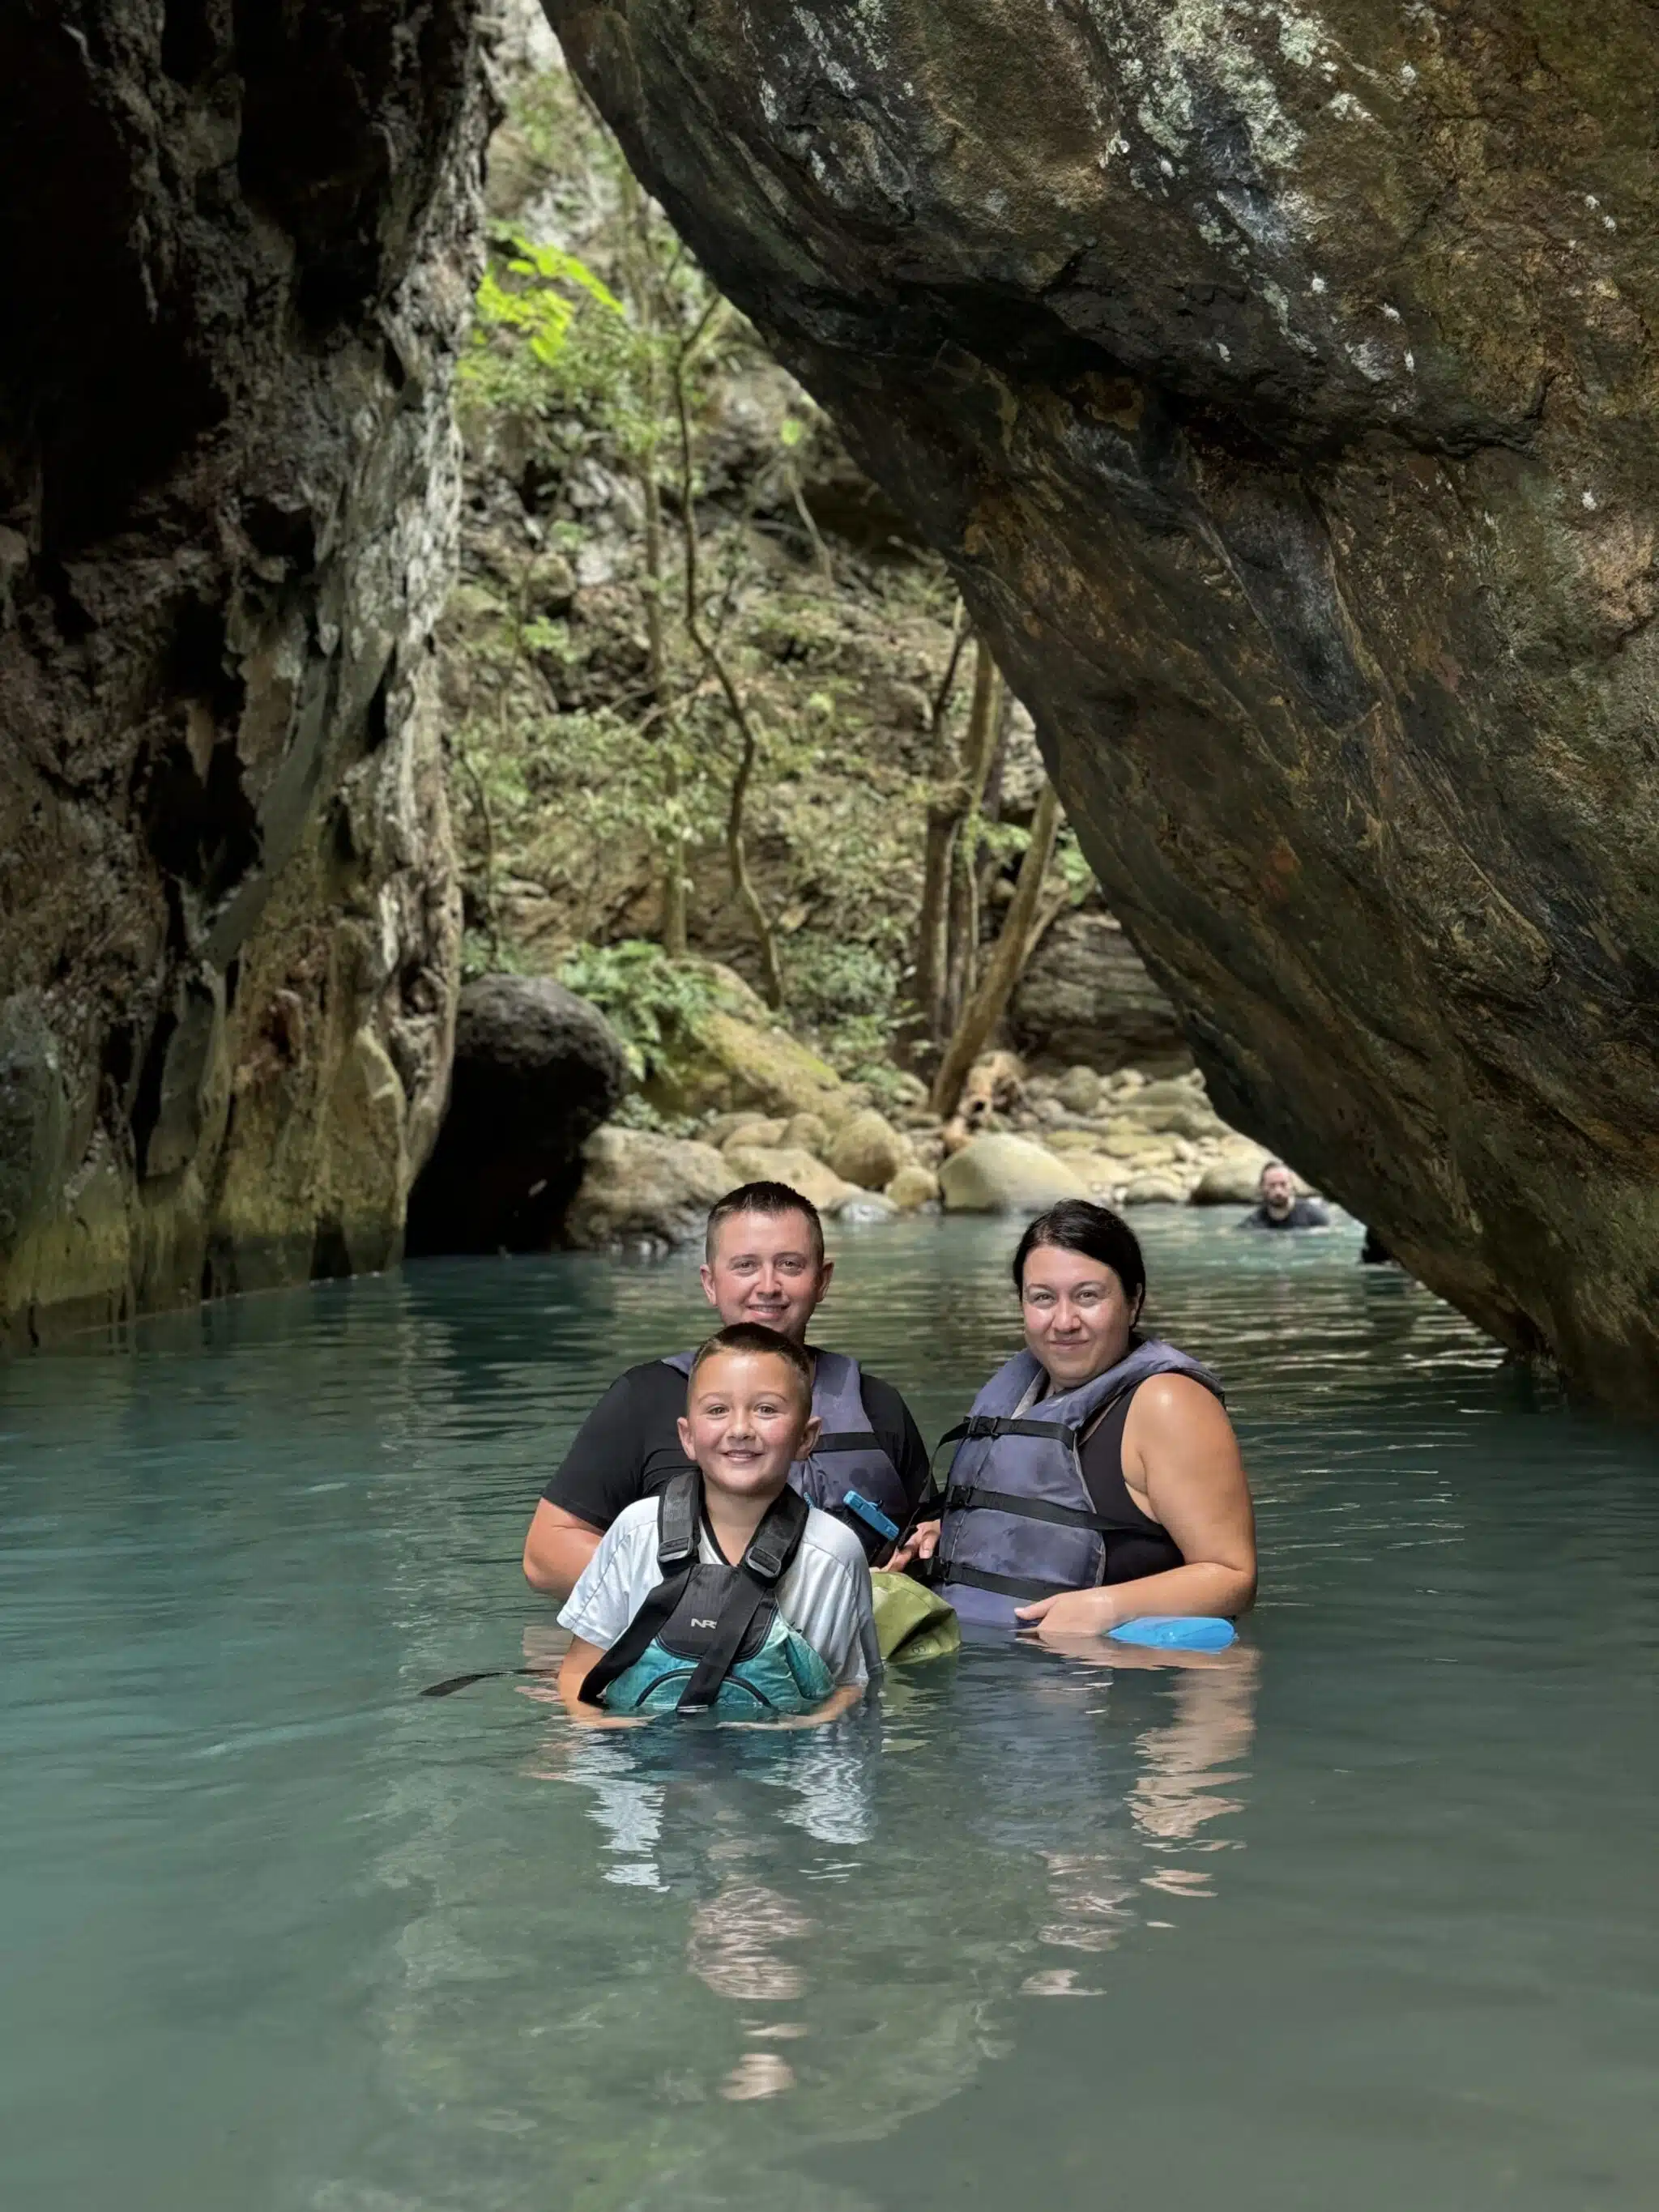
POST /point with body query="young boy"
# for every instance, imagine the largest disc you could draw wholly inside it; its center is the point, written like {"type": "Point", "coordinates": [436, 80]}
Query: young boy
{"type": "Point", "coordinates": [728, 1590]}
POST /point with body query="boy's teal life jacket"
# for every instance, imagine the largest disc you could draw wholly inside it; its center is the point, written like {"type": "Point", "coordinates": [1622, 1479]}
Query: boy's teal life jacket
{"type": "Point", "coordinates": [710, 1635]}
{"type": "Point", "coordinates": [848, 1456]}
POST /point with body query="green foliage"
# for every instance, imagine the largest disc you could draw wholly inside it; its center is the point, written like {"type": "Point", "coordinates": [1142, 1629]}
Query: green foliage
{"type": "Point", "coordinates": [549, 337]}
{"type": "Point", "coordinates": [650, 1000]}
{"type": "Point", "coordinates": [580, 789]}
{"type": "Point", "coordinates": [844, 994]}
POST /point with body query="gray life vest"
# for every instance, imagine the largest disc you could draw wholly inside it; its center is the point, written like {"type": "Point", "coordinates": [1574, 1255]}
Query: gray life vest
{"type": "Point", "coordinates": [1018, 1522]}
{"type": "Point", "coordinates": [848, 1456]}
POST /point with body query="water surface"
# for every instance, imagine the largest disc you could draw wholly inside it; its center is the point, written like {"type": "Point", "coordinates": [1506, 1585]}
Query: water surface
{"type": "Point", "coordinates": [1361, 1918]}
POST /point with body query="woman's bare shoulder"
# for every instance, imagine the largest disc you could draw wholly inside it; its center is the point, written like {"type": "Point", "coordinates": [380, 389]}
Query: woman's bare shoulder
{"type": "Point", "coordinates": [1168, 1403]}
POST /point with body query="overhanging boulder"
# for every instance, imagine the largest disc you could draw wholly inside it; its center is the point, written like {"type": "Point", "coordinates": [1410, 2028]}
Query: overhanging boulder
{"type": "Point", "coordinates": [1281, 384]}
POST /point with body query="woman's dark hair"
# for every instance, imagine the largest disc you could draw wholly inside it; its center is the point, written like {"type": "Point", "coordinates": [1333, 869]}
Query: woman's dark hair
{"type": "Point", "coordinates": [1077, 1225]}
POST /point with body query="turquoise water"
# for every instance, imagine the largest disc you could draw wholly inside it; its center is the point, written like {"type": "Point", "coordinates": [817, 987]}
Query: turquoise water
{"type": "Point", "coordinates": [1359, 1918]}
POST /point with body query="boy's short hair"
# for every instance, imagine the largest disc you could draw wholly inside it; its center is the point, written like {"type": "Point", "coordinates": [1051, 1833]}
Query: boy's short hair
{"type": "Point", "coordinates": [768, 1198]}
{"type": "Point", "coordinates": [754, 1337]}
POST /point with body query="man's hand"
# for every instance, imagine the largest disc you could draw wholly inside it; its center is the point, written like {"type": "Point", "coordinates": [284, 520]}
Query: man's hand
{"type": "Point", "coordinates": [921, 1543]}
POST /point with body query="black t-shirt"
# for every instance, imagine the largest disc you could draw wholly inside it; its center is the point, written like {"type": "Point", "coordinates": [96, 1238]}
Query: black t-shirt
{"type": "Point", "coordinates": [629, 1446]}
{"type": "Point", "coordinates": [1304, 1214]}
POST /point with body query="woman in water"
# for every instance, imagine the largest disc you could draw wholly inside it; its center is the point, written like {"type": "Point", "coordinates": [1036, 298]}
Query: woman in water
{"type": "Point", "coordinates": [1099, 1478]}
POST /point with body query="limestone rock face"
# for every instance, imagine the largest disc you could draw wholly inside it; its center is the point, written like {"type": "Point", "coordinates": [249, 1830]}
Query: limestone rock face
{"type": "Point", "coordinates": [537, 1070]}
{"type": "Point", "coordinates": [1281, 383]}
{"type": "Point", "coordinates": [1087, 998]}
{"type": "Point", "coordinates": [236, 248]}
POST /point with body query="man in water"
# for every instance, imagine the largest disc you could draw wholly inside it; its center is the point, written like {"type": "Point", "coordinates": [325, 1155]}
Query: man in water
{"type": "Point", "coordinates": [763, 1263]}
{"type": "Point", "coordinates": [1279, 1206]}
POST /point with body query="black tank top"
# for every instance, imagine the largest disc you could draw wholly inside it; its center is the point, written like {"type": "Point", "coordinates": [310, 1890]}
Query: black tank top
{"type": "Point", "coordinates": [1136, 1545]}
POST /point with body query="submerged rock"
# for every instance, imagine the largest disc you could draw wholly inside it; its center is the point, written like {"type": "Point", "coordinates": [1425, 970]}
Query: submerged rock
{"type": "Point", "coordinates": [239, 253]}
{"type": "Point", "coordinates": [1282, 388]}
{"type": "Point", "coordinates": [537, 1070]}
{"type": "Point", "coordinates": [643, 1191]}
{"type": "Point", "coordinates": [1006, 1175]}
{"type": "Point", "coordinates": [865, 1206]}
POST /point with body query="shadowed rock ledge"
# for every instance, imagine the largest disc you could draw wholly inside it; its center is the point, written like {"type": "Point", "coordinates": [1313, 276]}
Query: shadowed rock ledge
{"type": "Point", "coordinates": [1280, 383]}
{"type": "Point", "coordinates": [236, 247]}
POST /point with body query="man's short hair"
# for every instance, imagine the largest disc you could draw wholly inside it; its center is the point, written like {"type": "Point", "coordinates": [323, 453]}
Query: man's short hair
{"type": "Point", "coordinates": [768, 1198]}
{"type": "Point", "coordinates": [754, 1338]}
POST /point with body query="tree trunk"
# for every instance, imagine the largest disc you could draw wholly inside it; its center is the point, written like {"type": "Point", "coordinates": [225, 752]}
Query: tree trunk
{"type": "Point", "coordinates": [737, 861]}
{"type": "Point", "coordinates": [1008, 957]}
{"type": "Point", "coordinates": [637, 282]}
{"type": "Point", "coordinates": [919, 1029]}
{"type": "Point", "coordinates": [737, 854]}
{"type": "Point", "coordinates": [979, 749]}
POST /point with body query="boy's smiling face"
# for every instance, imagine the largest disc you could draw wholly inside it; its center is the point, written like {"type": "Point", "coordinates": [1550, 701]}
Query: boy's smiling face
{"type": "Point", "coordinates": [745, 1420]}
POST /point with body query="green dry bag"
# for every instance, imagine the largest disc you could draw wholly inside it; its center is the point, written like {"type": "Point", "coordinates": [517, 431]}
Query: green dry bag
{"type": "Point", "coordinates": [911, 1622]}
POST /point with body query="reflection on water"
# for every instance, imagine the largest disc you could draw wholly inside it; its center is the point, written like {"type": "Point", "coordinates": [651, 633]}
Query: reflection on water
{"type": "Point", "coordinates": [1355, 1913]}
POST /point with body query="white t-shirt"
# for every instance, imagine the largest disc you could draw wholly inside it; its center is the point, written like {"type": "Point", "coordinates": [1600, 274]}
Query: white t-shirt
{"type": "Point", "coordinates": [824, 1596]}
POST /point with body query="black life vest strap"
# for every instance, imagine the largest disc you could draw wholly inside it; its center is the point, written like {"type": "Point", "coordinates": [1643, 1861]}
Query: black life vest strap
{"type": "Point", "coordinates": [1005, 1585]}
{"type": "Point", "coordinates": [771, 1548]}
{"type": "Point", "coordinates": [678, 1510]}
{"type": "Point", "coordinates": [840, 1440]}
{"type": "Point", "coordinates": [1003, 1424]}
{"type": "Point", "coordinates": [965, 1498]}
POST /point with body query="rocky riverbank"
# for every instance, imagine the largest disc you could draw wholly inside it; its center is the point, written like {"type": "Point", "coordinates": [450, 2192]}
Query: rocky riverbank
{"type": "Point", "coordinates": [535, 1153]}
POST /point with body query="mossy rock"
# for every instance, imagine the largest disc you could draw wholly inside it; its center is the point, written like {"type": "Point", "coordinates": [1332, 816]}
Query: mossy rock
{"type": "Point", "coordinates": [725, 1062]}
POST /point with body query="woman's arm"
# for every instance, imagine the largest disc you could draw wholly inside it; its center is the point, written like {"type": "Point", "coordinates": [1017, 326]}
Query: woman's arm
{"type": "Point", "coordinates": [578, 1664]}
{"type": "Point", "coordinates": [1179, 1449]}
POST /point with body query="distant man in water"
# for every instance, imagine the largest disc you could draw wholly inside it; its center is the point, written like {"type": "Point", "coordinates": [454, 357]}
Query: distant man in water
{"type": "Point", "coordinates": [763, 1261]}
{"type": "Point", "coordinates": [1279, 1207]}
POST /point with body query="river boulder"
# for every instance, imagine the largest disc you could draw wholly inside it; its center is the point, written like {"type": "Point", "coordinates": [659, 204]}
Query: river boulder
{"type": "Point", "coordinates": [788, 1163]}
{"type": "Point", "coordinates": [1000, 1174]}
{"type": "Point", "coordinates": [913, 1187]}
{"type": "Point", "coordinates": [731, 1055]}
{"type": "Point", "coordinates": [1233, 1180]}
{"type": "Point", "coordinates": [537, 1070]}
{"type": "Point", "coordinates": [643, 1192]}
{"type": "Point", "coordinates": [868, 1150]}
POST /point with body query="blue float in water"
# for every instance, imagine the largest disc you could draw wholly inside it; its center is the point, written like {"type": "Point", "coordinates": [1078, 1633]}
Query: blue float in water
{"type": "Point", "coordinates": [1169, 1631]}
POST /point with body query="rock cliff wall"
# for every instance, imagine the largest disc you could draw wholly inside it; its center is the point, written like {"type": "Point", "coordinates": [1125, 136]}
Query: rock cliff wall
{"type": "Point", "coordinates": [236, 248]}
{"type": "Point", "coordinates": [1280, 382]}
